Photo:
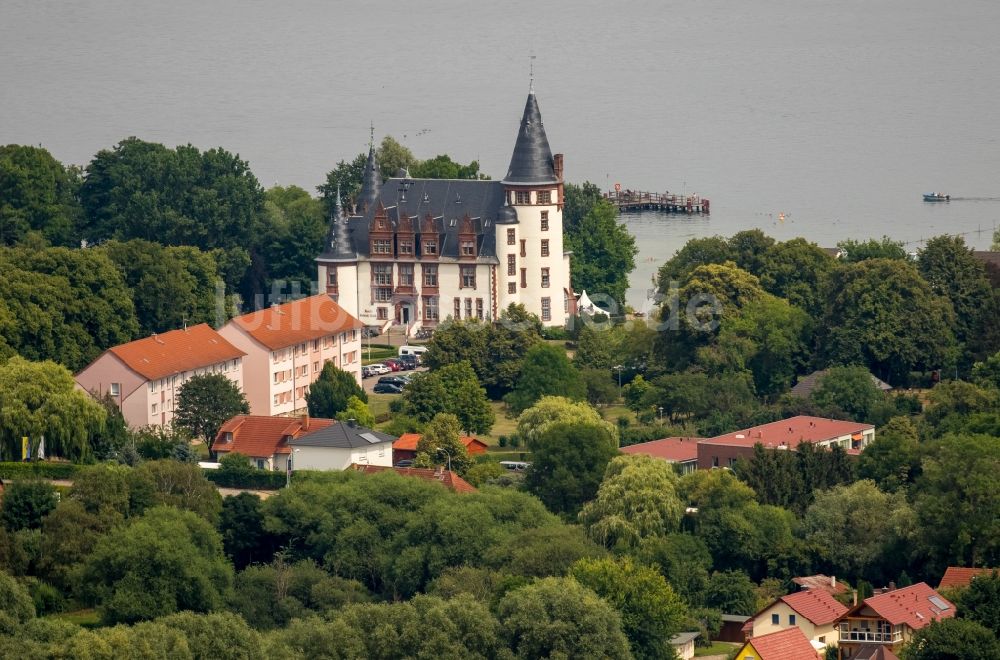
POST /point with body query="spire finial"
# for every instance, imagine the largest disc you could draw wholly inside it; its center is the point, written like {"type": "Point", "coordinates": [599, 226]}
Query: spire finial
{"type": "Point", "coordinates": [531, 73]}
{"type": "Point", "coordinates": [371, 137]}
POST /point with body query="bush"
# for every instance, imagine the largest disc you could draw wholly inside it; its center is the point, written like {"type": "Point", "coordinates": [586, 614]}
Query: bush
{"type": "Point", "coordinates": [37, 469]}
{"type": "Point", "coordinates": [252, 480]}
{"type": "Point", "coordinates": [502, 441]}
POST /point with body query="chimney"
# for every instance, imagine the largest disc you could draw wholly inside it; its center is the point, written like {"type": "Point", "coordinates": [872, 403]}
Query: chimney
{"type": "Point", "coordinates": [352, 422]}
{"type": "Point", "coordinates": [557, 165]}
{"type": "Point", "coordinates": [305, 422]}
{"type": "Point", "coordinates": [855, 595]}
{"type": "Point", "coordinates": [892, 586]}
{"type": "Point", "coordinates": [833, 581]}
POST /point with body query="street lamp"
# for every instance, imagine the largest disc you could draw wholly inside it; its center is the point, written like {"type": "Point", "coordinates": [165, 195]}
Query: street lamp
{"type": "Point", "coordinates": [660, 409]}
{"type": "Point", "coordinates": [288, 471]}
{"type": "Point", "coordinates": [619, 368]}
{"type": "Point", "coordinates": [443, 451]}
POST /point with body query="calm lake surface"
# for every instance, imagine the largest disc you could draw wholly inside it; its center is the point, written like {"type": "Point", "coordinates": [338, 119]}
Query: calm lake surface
{"type": "Point", "coordinates": [837, 115]}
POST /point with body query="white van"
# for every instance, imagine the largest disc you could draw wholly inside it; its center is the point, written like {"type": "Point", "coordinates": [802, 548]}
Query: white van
{"type": "Point", "coordinates": [417, 351]}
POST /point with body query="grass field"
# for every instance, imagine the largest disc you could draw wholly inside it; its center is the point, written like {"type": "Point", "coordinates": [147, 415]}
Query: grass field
{"type": "Point", "coordinates": [88, 618]}
{"type": "Point", "coordinates": [717, 648]}
{"type": "Point", "coordinates": [377, 353]}
{"type": "Point", "coordinates": [378, 404]}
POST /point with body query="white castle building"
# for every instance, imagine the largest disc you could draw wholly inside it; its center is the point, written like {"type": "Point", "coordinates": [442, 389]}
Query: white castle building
{"type": "Point", "coordinates": [417, 251]}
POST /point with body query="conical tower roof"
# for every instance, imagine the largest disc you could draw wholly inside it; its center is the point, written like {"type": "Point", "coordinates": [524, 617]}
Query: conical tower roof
{"type": "Point", "coordinates": [371, 183]}
{"type": "Point", "coordinates": [531, 162]}
{"type": "Point", "coordinates": [338, 237]}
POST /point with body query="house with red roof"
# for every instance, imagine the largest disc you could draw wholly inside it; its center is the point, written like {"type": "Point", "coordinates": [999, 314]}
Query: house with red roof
{"type": "Point", "coordinates": [405, 448]}
{"type": "Point", "coordinates": [144, 376]}
{"type": "Point", "coordinates": [828, 584]}
{"type": "Point", "coordinates": [447, 478]}
{"type": "Point", "coordinates": [890, 619]}
{"type": "Point", "coordinates": [956, 577]}
{"type": "Point", "coordinates": [680, 451]}
{"type": "Point", "coordinates": [264, 439]}
{"type": "Point", "coordinates": [787, 644]}
{"type": "Point", "coordinates": [286, 347]}
{"type": "Point", "coordinates": [787, 434]}
{"type": "Point", "coordinates": [813, 611]}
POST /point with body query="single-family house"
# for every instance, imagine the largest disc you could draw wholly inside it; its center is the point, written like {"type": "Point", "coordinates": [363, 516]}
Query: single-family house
{"type": "Point", "coordinates": [406, 447]}
{"type": "Point", "coordinates": [682, 452]}
{"type": "Point", "coordinates": [447, 478]}
{"type": "Point", "coordinates": [286, 348]}
{"type": "Point", "coordinates": [144, 376]}
{"type": "Point", "coordinates": [805, 385]}
{"type": "Point", "coordinates": [889, 619]}
{"type": "Point", "coordinates": [956, 577]}
{"type": "Point", "coordinates": [683, 644]}
{"type": "Point", "coordinates": [787, 434]}
{"type": "Point", "coordinates": [339, 445]}
{"type": "Point", "coordinates": [787, 644]}
{"type": "Point", "coordinates": [264, 440]}
{"type": "Point", "coordinates": [813, 611]}
{"type": "Point", "coordinates": [828, 584]}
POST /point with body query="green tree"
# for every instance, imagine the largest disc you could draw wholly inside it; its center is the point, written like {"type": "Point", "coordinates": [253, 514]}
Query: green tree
{"type": "Point", "coordinates": [215, 636]}
{"type": "Point", "coordinates": [854, 251]}
{"type": "Point", "coordinates": [241, 525]}
{"type": "Point", "coordinates": [113, 492]}
{"type": "Point", "coordinates": [651, 611]}
{"type": "Point", "coordinates": [69, 535]}
{"type": "Point", "coordinates": [164, 562]}
{"type": "Point", "coordinates": [948, 639]}
{"type": "Point", "coordinates": [683, 559]}
{"type": "Point", "coordinates": [295, 225]}
{"type": "Point", "coordinates": [893, 460]}
{"type": "Point", "coordinates": [601, 389]}
{"type": "Point", "coordinates": [853, 526]}
{"type": "Point", "coordinates": [550, 410]}
{"type": "Point", "coordinates": [980, 601]}
{"type": "Point", "coordinates": [604, 253]}
{"type": "Point", "coordinates": [568, 462]}
{"type": "Point", "coordinates": [331, 391]}
{"type": "Point", "coordinates": [393, 157]}
{"type": "Point", "coordinates": [987, 372]}
{"type": "Point", "coordinates": [16, 606]}
{"type": "Point", "coordinates": [182, 485]}
{"type": "Point", "coordinates": [882, 314]}
{"type": "Point", "coordinates": [345, 177]}
{"type": "Point", "coordinates": [546, 372]}
{"type": "Point", "coordinates": [850, 389]}
{"type": "Point", "coordinates": [37, 194]}
{"type": "Point", "coordinates": [696, 252]}
{"type": "Point", "coordinates": [358, 411]}
{"type": "Point", "coordinates": [957, 502]}
{"type": "Point", "coordinates": [797, 270]}
{"type": "Point", "coordinates": [441, 444]}
{"type": "Point", "coordinates": [26, 503]}
{"type": "Point", "coordinates": [558, 617]}
{"type": "Point", "coordinates": [543, 551]}
{"type": "Point", "coordinates": [40, 400]}
{"type": "Point", "coordinates": [443, 167]}
{"type": "Point", "coordinates": [453, 388]}
{"type": "Point", "coordinates": [637, 499]}
{"type": "Point", "coordinates": [578, 201]}
{"type": "Point", "coordinates": [206, 402]}
{"type": "Point", "coordinates": [731, 592]}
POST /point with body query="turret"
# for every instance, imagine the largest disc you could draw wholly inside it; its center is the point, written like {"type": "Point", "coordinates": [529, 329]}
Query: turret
{"type": "Point", "coordinates": [532, 162]}
{"type": "Point", "coordinates": [371, 183]}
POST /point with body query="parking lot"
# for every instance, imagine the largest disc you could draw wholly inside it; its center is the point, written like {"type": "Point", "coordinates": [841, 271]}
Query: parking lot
{"type": "Point", "coordinates": [369, 383]}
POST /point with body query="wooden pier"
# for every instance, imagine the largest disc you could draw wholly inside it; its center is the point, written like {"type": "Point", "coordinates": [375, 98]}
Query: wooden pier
{"type": "Point", "coordinates": [637, 200]}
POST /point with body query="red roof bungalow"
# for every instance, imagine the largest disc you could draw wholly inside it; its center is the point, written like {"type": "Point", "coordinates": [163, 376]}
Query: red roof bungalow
{"type": "Point", "coordinates": [890, 619]}
{"type": "Point", "coordinates": [787, 434]}
{"type": "Point", "coordinates": [813, 611]}
{"type": "Point", "coordinates": [448, 478]}
{"type": "Point", "coordinates": [958, 576]}
{"type": "Point", "coordinates": [788, 644]}
{"type": "Point", "coordinates": [264, 439]}
{"type": "Point", "coordinates": [682, 451]}
{"type": "Point", "coordinates": [406, 447]}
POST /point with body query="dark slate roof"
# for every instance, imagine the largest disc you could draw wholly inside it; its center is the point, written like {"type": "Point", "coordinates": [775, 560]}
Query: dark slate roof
{"type": "Point", "coordinates": [447, 201]}
{"type": "Point", "coordinates": [341, 435]}
{"type": "Point", "coordinates": [805, 386]}
{"type": "Point", "coordinates": [338, 237]}
{"type": "Point", "coordinates": [371, 184]}
{"type": "Point", "coordinates": [531, 162]}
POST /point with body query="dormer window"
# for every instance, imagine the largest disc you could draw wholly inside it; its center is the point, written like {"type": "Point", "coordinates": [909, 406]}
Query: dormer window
{"type": "Point", "coordinates": [544, 197]}
{"type": "Point", "coordinates": [430, 247]}
{"type": "Point", "coordinates": [406, 246]}
{"type": "Point", "coordinates": [468, 248]}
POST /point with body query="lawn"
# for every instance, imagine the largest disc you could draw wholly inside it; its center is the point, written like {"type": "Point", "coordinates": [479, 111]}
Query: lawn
{"type": "Point", "coordinates": [378, 404]}
{"type": "Point", "coordinates": [377, 353]}
{"type": "Point", "coordinates": [504, 424]}
{"type": "Point", "coordinates": [717, 648]}
{"type": "Point", "coordinates": [88, 618]}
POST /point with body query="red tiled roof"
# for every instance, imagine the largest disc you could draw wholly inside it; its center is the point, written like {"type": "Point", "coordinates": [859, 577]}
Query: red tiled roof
{"type": "Point", "coordinates": [176, 351]}
{"type": "Point", "coordinates": [297, 321]}
{"type": "Point", "coordinates": [911, 605]}
{"type": "Point", "coordinates": [677, 450]}
{"type": "Point", "coordinates": [816, 605]}
{"type": "Point", "coordinates": [409, 441]}
{"type": "Point", "coordinates": [445, 477]}
{"type": "Point", "coordinates": [259, 436]}
{"type": "Point", "coordinates": [958, 576]}
{"type": "Point", "coordinates": [787, 644]}
{"type": "Point", "coordinates": [790, 432]}
{"type": "Point", "coordinates": [820, 581]}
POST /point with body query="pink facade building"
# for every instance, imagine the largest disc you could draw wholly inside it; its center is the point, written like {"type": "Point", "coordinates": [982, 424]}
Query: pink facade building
{"type": "Point", "coordinates": [144, 376]}
{"type": "Point", "coordinates": [286, 347]}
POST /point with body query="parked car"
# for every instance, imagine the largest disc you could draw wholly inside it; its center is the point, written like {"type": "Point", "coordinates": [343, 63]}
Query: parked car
{"type": "Point", "coordinates": [378, 369]}
{"type": "Point", "coordinates": [387, 388]}
{"type": "Point", "coordinates": [367, 371]}
{"type": "Point", "coordinates": [406, 462]}
{"type": "Point", "coordinates": [409, 362]}
{"type": "Point", "coordinates": [398, 381]}
{"type": "Point", "coordinates": [393, 364]}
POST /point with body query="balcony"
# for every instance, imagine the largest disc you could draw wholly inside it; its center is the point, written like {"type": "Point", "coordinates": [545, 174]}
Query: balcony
{"type": "Point", "coordinates": [871, 636]}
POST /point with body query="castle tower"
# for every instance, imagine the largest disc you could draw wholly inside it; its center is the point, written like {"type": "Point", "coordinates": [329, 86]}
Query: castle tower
{"type": "Point", "coordinates": [371, 184]}
{"type": "Point", "coordinates": [338, 264]}
{"type": "Point", "coordinates": [533, 269]}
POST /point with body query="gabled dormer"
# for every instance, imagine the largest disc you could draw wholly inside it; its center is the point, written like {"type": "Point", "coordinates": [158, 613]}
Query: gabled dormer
{"type": "Point", "coordinates": [467, 243]}
{"type": "Point", "coordinates": [405, 237]}
{"type": "Point", "coordinates": [380, 234]}
{"type": "Point", "coordinates": [429, 239]}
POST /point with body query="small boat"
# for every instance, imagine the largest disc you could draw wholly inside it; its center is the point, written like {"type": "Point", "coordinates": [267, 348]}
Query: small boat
{"type": "Point", "coordinates": [936, 197]}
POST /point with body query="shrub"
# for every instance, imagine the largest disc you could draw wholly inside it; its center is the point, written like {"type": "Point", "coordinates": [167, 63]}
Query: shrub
{"type": "Point", "coordinates": [37, 469]}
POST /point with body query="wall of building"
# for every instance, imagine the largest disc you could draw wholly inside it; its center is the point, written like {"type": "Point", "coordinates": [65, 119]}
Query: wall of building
{"type": "Point", "coordinates": [725, 455]}
{"type": "Point", "coordinates": [332, 458]}
{"type": "Point", "coordinates": [96, 379]}
{"type": "Point", "coordinates": [762, 624]}
{"type": "Point", "coordinates": [256, 368]}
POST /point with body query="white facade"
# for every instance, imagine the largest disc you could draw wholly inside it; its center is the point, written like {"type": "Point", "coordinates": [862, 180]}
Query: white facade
{"type": "Point", "coordinates": [337, 458]}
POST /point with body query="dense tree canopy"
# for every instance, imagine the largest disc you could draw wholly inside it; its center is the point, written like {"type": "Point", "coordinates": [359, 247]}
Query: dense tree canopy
{"type": "Point", "coordinates": [330, 393]}
{"type": "Point", "coordinates": [546, 371]}
{"type": "Point", "coordinates": [37, 194]}
{"type": "Point", "coordinates": [568, 462]}
{"type": "Point", "coordinates": [205, 402]}
{"type": "Point", "coordinates": [454, 389]}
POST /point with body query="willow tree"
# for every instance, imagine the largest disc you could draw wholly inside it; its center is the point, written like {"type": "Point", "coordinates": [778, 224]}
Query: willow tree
{"type": "Point", "coordinates": [39, 400]}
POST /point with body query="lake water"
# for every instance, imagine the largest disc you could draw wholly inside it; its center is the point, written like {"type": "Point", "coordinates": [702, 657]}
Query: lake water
{"type": "Point", "coordinates": [837, 115]}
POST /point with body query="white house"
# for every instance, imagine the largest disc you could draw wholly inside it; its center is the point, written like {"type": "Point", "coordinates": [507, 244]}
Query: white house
{"type": "Point", "coordinates": [338, 445]}
{"type": "Point", "coordinates": [417, 251]}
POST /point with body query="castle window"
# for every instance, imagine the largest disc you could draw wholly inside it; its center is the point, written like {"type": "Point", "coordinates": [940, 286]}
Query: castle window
{"type": "Point", "coordinates": [430, 275]}
{"type": "Point", "coordinates": [545, 278]}
{"type": "Point", "coordinates": [511, 264]}
{"type": "Point", "coordinates": [544, 196]}
{"type": "Point", "coordinates": [468, 249]}
{"type": "Point", "coordinates": [511, 240]}
{"type": "Point", "coordinates": [522, 197]}
{"type": "Point", "coordinates": [468, 277]}
{"type": "Point", "coordinates": [405, 274]}
{"type": "Point", "coordinates": [468, 308]}
{"type": "Point", "coordinates": [479, 308]}
{"type": "Point", "coordinates": [511, 287]}
{"type": "Point", "coordinates": [524, 278]}
{"type": "Point", "coordinates": [430, 308]}
{"type": "Point", "coordinates": [546, 309]}
{"type": "Point", "coordinates": [430, 247]}
{"type": "Point", "coordinates": [382, 313]}
{"type": "Point", "coordinates": [382, 246]}
{"type": "Point", "coordinates": [458, 308]}
{"type": "Point", "coordinates": [545, 220]}
{"type": "Point", "coordinates": [524, 248]}
{"type": "Point", "coordinates": [406, 246]}
{"type": "Point", "coordinates": [382, 274]}
{"type": "Point", "coordinates": [383, 294]}
{"type": "Point", "coordinates": [331, 277]}
{"type": "Point", "coordinates": [545, 247]}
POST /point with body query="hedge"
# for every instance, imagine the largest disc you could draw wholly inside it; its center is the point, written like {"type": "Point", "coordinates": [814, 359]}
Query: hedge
{"type": "Point", "coordinates": [37, 470]}
{"type": "Point", "coordinates": [256, 480]}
